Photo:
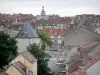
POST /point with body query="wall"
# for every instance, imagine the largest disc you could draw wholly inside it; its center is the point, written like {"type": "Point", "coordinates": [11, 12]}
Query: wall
{"type": "Point", "coordinates": [24, 42]}
{"type": "Point", "coordinates": [12, 71]}
{"type": "Point", "coordinates": [80, 37]}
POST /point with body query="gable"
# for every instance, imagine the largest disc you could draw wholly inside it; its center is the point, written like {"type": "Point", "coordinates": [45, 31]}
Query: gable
{"type": "Point", "coordinates": [12, 70]}
{"type": "Point", "coordinates": [80, 37]}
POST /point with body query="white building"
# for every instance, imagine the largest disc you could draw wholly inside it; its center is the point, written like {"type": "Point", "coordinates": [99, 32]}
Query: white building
{"type": "Point", "coordinates": [26, 36]}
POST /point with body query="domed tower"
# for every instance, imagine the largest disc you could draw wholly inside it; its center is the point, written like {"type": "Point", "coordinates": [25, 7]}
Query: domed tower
{"type": "Point", "coordinates": [43, 12]}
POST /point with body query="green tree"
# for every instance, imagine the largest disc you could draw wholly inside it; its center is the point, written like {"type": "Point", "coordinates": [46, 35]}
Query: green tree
{"type": "Point", "coordinates": [45, 38]}
{"type": "Point", "coordinates": [40, 55]}
{"type": "Point", "coordinates": [8, 49]}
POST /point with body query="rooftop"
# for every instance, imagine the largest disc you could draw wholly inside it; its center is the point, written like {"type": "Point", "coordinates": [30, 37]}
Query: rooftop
{"type": "Point", "coordinates": [27, 32]}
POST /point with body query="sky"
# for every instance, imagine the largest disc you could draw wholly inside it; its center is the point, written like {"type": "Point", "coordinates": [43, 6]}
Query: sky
{"type": "Point", "coordinates": [60, 7]}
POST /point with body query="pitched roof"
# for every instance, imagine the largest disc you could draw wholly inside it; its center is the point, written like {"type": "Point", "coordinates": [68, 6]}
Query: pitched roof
{"type": "Point", "coordinates": [80, 37]}
{"type": "Point", "coordinates": [54, 21]}
{"type": "Point", "coordinates": [29, 56]}
{"type": "Point", "coordinates": [27, 32]}
{"type": "Point", "coordinates": [94, 52]}
{"type": "Point", "coordinates": [87, 46]}
{"type": "Point", "coordinates": [92, 68]}
{"type": "Point", "coordinates": [20, 67]}
{"type": "Point", "coordinates": [91, 63]}
{"type": "Point", "coordinates": [91, 44]}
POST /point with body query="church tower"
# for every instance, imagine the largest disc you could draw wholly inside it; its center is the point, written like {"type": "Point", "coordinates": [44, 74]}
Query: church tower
{"type": "Point", "coordinates": [43, 12]}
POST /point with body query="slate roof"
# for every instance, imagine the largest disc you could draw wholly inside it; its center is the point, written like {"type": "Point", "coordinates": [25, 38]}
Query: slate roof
{"type": "Point", "coordinates": [27, 32]}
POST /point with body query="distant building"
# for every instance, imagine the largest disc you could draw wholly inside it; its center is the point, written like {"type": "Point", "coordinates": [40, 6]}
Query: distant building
{"type": "Point", "coordinates": [55, 24]}
{"type": "Point", "coordinates": [57, 36]}
{"type": "Point", "coordinates": [26, 36]}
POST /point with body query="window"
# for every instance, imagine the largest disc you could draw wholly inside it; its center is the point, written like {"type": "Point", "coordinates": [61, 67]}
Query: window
{"type": "Point", "coordinates": [40, 24]}
{"type": "Point", "coordinates": [53, 24]}
{"type": "Point", "coordinates": [59, 36]}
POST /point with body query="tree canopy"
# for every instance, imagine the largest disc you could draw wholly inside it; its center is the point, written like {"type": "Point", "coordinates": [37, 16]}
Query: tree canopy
{"type": "Point", "coordinates": [40, 55]}
{"type": "Point", "coordinates": [45, 38]}
{"type": "Point", "coordinates": [8, 49]}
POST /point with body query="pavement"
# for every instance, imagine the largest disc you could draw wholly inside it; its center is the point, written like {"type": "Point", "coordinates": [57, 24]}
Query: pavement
{"type": "Point", "coordinates": [53, 62]}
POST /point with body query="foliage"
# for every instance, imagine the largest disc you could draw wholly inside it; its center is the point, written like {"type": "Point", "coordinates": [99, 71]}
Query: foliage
{"type": "Point", "coordinates": [8, 49]}
{"type": "Point", "coordinates": [40, 55]}
{"type": "Point", "coordinates": [45, 38]}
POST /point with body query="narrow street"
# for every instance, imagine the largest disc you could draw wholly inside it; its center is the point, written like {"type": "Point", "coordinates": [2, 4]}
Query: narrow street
{"type": "Point", "coordinates": [53, 60]}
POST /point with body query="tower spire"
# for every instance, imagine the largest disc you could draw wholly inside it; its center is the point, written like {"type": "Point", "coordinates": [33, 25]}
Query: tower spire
{"type": "Point", "coordinates": [43, 11]}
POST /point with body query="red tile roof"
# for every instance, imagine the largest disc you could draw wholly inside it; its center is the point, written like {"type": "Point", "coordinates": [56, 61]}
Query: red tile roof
{"type": "Point", "coordinates": [52, 31]}
{"type": "Point", "coordinates": [91, 44]}
{"type": "Point", "coordinates": [92, 62]}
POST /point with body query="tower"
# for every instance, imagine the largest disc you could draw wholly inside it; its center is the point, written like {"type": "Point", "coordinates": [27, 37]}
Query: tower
{"type": "Point", "coordinates": [42, 12]}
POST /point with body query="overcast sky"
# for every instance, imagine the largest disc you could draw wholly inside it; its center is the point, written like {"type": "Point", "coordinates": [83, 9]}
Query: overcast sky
{"type": "Point", "coordinates": [61, 7]}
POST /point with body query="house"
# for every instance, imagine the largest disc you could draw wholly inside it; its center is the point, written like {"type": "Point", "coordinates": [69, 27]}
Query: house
{"type": "Point", "coordinates": [57, 37]}
{"type": "Point", "coordinates": [80, 43]}
{"type": "Point", "coordinates": [26, 36]}
{"type": "Point", "coordinates": [80, 37]}
{"type": "Point", "coordinates": [24, 64]}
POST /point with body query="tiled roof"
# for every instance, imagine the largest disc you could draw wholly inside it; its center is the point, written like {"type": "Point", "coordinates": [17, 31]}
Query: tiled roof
{"type": "Point", "coordinates": [92, 62]}
{"type": "Point", "coordinates": [54, 21]}
{"type": "Point", "coordinates": [27, 32]}
{"type": "Point", "coordinates": [52, 31]}
{"type": "Point", "coordinates": [29, 56]}
{"type": "Point", "coordinates": [91, 44]}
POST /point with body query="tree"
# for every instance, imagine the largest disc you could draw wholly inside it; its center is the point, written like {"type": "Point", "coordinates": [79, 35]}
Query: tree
{"type": "Point", "coordinates": [8, 49]}
{"type": "Point", "coordinates": [39, 52]}
{"type": "Point", "coordinates": [45, 38]}
{"type": "Point", "coordinates": [40, 55]}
